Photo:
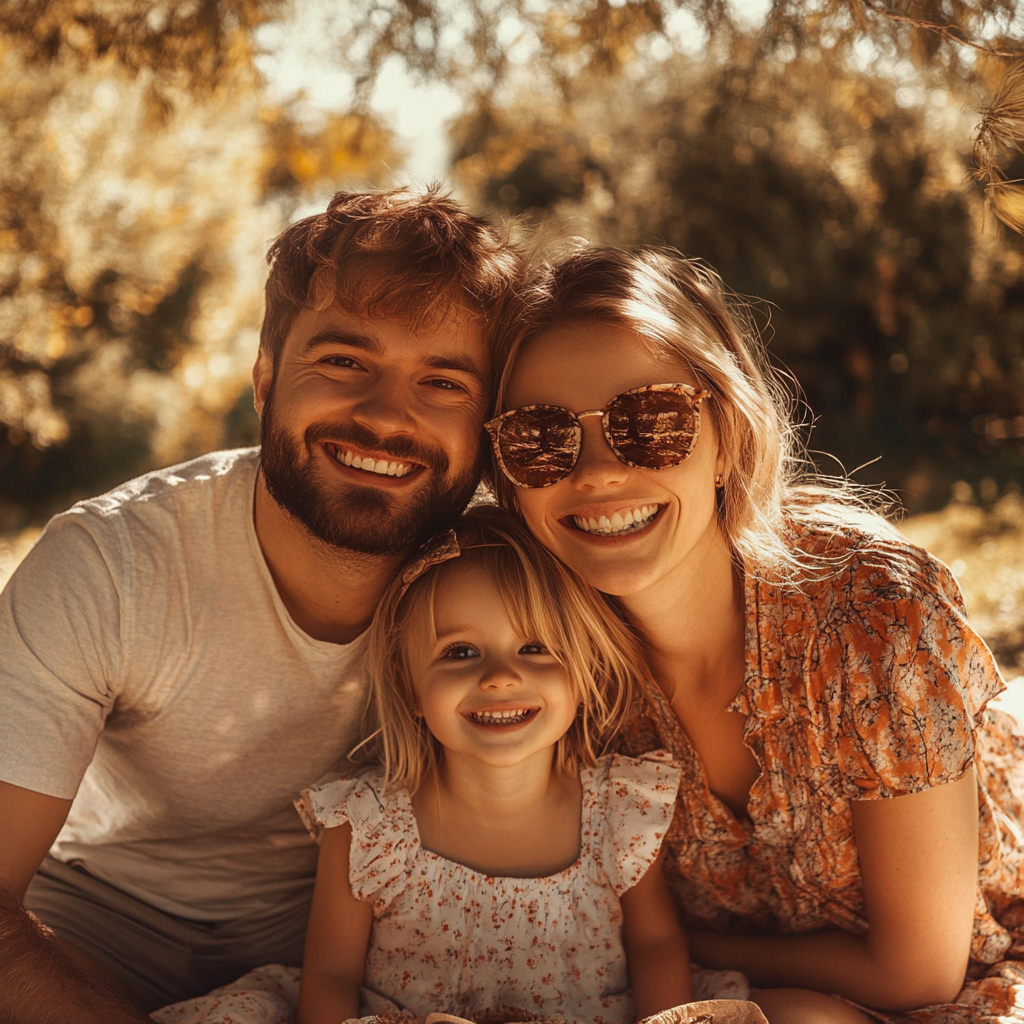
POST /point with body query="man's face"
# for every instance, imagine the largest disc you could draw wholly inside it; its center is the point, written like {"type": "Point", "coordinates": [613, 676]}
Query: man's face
{"type": "Point", "coordinates": [371, 433]}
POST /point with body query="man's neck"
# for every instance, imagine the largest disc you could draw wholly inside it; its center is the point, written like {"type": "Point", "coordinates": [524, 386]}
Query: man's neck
{"type": "Point", "coordinates": [330, 593]}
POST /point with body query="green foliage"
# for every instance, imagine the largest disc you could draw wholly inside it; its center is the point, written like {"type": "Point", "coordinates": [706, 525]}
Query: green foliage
{"type": "Point", "coordinates": [142, 172]}
{"type": "Point", "coordinates": [899, 313]}
{"type": "Point", "coordinates": [131, 254]}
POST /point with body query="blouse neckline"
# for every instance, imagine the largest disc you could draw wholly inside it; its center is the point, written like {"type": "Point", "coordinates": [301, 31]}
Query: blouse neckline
{"type": "Point", "coordinates": [743, 703]}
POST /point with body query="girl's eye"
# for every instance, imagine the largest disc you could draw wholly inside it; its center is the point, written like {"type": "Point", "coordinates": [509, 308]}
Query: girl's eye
{"type": "Point", "coordinates": [459, 652]}
{"type": "Point", "coordinates": [534, 648]}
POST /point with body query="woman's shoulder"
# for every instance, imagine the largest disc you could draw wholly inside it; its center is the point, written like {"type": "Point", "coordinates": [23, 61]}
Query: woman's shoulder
{"type": "Point", "coordinates": [850, 557]}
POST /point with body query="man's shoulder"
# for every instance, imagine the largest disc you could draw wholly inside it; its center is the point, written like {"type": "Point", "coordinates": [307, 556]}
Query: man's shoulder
{"type": "Point", "coordinates": [213, 472]}
{"type": "Point", "coordinates": [203, 502]}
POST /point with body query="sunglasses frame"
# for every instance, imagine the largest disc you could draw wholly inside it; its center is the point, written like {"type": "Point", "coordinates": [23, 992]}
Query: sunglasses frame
{"type": "Point", "coordinates": [695, 396]}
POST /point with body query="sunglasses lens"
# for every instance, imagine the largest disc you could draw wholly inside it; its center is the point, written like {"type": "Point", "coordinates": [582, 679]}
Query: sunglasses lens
{"type": "Point", "coordinates": [653, 429]}
{"type": "Point", "coordinates": [538, 446]}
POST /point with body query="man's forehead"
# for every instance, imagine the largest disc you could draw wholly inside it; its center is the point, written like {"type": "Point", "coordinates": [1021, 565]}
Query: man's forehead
{"type": "Point", "coordinates": [461, 333]}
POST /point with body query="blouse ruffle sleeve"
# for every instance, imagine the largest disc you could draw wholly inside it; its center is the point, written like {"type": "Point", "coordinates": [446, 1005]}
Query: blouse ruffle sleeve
{"type": "Point", "coordinates": [636, 799]}
{"type": "Point", "coordinates": [384, 836]}
{"type": "Point", "coordinates": [916, 677]}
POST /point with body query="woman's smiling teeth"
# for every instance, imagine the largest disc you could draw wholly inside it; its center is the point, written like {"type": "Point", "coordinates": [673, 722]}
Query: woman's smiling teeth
{"type": "Point", "coordinates": [619, 522]}
{"type": "Point", "coordinates": [510, 717]}
{"type": "Point", "coordinates": [382, 467]}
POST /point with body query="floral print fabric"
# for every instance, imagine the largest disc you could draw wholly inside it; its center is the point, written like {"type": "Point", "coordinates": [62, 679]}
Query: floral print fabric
{"type": "Point", "coordinates": [866, 682]}
{"type": "Point", "coordinates": [449, 939]}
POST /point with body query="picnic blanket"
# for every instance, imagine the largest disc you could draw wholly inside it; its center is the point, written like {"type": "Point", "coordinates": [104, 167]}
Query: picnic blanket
{"type": "Point", "coordinates": [269, 995]}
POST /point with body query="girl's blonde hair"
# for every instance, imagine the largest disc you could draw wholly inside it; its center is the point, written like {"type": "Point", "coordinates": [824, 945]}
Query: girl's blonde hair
{"type": "Point", "coordinates": [546, 602]}
{"type": "Point", "coordinates": [681, 308]}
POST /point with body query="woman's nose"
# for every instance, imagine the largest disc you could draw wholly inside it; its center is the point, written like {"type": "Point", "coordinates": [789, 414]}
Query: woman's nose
{"type": "Point", "coordinates": [597, 465]}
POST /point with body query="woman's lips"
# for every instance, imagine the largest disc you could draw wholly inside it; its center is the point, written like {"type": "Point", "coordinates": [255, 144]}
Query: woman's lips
{"type": "Point", "coordinates": [618, 524]}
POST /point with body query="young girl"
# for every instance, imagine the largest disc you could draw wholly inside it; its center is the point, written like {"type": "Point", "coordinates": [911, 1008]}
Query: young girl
{"type": "Point", "coordinates": [495, 865]}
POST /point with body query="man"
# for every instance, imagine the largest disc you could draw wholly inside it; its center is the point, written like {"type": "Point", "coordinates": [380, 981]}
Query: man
{"type": "Point", "coordinates": [180, 656]}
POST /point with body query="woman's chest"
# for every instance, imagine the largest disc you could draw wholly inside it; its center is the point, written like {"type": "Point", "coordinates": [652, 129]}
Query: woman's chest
{"type": "Point", "coordinates": [790, 860]}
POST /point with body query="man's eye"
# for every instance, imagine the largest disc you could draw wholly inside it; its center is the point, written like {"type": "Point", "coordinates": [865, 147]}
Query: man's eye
{"type": "Point", "coordinates": [345, 362]}
{"type": "Point", "coordinates": [460, 652]}
{"type": "Point", "coordinates": [445, 384]}
{"type": "Point", "coordinates": [534, 648]}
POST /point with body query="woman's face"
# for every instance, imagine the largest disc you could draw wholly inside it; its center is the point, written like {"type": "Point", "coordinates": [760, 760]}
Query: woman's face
{"type": "Point", "coordinates": [669, 514]}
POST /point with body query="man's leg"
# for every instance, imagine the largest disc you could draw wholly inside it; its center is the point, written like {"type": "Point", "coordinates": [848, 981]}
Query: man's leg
{"type": "Point", "coordinates": [121, 942]}
{"type": "Point", "coordinates": [227, 950]}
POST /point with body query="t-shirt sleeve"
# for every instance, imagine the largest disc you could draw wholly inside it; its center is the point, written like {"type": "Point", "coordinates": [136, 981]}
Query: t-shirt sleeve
{"type": "Point", "coordinates": [61, 648]}
{"type": "Point", "coordinates": [636, 803]}
{"type": "Point", "coordinates": [917, 679]}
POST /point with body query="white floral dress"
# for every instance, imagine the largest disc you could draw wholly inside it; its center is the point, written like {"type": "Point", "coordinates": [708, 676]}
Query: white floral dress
{"type": "Point", "coordinates": [452, 940]}
{"type": "Point", "coordinates": [447, 939]}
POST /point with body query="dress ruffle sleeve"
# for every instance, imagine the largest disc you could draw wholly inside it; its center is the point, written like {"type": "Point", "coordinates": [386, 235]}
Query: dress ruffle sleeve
{"type": "Point", "coordinates": [916, 676]}
{"type": "Point", "coordinates": [636, 797]}
{"type": "Point", "coordinates": [384, 837]}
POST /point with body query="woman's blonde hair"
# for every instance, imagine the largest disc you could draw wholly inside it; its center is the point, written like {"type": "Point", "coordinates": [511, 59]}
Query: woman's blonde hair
{"type": "Point", "coordinates": [546, 602]}
{"type": "Point", "coordinates": [681, 308]}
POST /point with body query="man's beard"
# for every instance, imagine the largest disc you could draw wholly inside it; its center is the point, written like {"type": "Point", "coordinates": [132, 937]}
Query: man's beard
{"type": "Point", "coordinates": [367, 519]}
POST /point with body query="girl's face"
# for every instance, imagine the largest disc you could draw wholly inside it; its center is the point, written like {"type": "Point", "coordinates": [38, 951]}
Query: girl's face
{"type": "Point", "coordinates": [487, 692]}
{"type": "Point", "coordinates": [666, 518]}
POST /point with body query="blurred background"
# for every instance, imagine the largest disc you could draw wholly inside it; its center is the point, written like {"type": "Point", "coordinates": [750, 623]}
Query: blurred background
{"type": "Point", "coordinates": [851, 164]}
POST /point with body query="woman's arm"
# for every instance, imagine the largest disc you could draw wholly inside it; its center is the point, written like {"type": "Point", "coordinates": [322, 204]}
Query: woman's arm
{"type": "Point", "coordinates": [919, 861]}
{"type": "Point", "coordinates": [337, 938]}
{"type": "Point", "coordinates": [659, 962]}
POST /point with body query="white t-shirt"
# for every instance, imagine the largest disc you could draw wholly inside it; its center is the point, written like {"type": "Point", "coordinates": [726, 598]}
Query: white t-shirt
{"type": "Point", "coordinates": [148, 665]}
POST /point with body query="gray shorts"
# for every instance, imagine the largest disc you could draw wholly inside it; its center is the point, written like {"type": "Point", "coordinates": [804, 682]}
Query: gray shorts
{"type": "Point", "coordinates": [161, 958]}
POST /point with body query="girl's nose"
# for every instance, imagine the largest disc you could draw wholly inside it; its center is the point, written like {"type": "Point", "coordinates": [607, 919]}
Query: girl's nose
{"type": "Point", "coordinates": [597, 465]}
{"type": "Point", "coordinates": [500, 676]}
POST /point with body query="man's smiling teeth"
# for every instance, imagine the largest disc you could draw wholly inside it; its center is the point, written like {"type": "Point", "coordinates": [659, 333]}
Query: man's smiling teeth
{"type": "Point", "coordinates": [510, 717]}
{"type": "Point", "coordinates": [380, 466]}
{"type": "Point", "coordinates": [619, 522]}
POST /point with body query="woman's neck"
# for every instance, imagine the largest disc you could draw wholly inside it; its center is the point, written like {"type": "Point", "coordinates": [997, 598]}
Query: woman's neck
{"type": "Point", "coordinates": [519, 820]}
{"type": "Point", "coordinates": [692, 623]}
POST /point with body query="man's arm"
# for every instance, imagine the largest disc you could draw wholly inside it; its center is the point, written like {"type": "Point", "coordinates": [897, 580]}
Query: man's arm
{"type": "Point", "coordinates": [39, 983]}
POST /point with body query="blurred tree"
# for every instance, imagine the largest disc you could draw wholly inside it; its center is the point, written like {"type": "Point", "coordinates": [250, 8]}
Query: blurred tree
{"type": "Point", "coordinates": [140, 181]}
{"type": "Point", "coordinates": [142, 172]}
{"type": "Point", "coordinates": [836, 194]}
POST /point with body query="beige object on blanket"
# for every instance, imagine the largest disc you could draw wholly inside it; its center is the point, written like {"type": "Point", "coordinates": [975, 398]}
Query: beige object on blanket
{"type": "Point", "coordinates": [269, 995]}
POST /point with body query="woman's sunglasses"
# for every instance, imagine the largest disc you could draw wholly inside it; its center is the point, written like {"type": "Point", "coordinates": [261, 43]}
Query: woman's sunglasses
{"type": "Point", "coordinates": [652, 427]}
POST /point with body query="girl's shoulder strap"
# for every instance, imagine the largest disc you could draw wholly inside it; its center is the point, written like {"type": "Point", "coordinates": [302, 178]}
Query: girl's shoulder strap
{"type": "Point", "coordinates": [631, 801]}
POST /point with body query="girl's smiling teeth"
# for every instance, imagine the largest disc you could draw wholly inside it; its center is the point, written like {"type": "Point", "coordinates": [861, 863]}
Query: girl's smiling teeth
{"type": "Point", "coordinates": [382, 467]}
{"type": "Point", "coordinates": [618, 523]}
{"type": "Point", "coordinates": [509, 716]}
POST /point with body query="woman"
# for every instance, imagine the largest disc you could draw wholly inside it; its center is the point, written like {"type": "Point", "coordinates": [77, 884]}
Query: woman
{"type": "Point", "coordinates": [849, 821]}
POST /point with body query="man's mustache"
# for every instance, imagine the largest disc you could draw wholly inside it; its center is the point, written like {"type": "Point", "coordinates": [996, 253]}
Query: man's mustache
{"type": "Point", "coordinates": [403, 449]}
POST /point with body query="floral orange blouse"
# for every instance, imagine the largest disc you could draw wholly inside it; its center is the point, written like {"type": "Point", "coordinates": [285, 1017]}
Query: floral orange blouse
{"type": "Point", "coordinates": [866, 684]}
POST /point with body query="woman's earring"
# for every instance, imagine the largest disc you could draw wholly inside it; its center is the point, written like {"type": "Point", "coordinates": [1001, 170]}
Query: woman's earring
{"type": "Point", "coordinates": [719, 481]}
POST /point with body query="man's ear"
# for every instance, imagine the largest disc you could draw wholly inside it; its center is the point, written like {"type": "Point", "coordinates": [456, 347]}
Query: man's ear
{"type": "Point", "coordinates": [262, 379]}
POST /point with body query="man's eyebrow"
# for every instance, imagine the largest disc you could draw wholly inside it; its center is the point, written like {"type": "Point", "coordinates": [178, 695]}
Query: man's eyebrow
{"type": "Point", "coordinates": [334, 336]}
{"type": "Point", "coordinates": [459, 363]}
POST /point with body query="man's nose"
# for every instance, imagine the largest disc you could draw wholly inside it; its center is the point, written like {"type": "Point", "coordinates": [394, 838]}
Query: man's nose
{"type": "Point", "coordinates": [384, 407]}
